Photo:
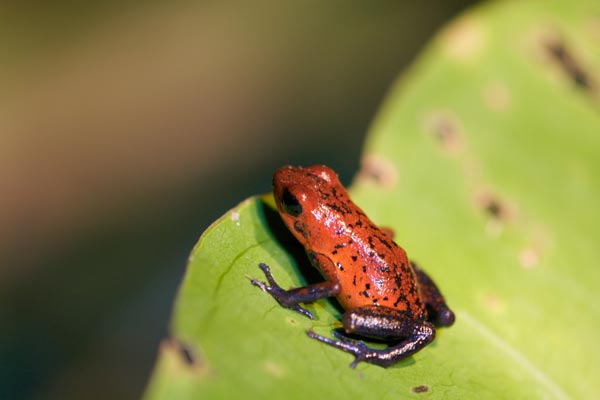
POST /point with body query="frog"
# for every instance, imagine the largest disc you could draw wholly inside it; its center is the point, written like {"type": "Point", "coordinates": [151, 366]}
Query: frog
{"type": "Point", "coordinates": [385, 296]}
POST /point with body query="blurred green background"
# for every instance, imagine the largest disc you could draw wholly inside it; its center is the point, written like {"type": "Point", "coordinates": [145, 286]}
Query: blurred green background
{"type": "Point", "coordinates": [127, 127]}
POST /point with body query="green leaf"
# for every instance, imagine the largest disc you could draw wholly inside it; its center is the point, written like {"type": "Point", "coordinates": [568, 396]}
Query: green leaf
{"type": "Point", "coordinates": [485, 161]}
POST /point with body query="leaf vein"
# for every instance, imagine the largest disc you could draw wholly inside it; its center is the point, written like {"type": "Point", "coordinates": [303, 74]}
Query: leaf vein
{"type": "Point", "coordinates": [513, 353]}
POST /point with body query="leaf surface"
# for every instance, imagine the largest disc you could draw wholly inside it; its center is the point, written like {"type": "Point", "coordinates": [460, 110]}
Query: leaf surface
{"type": "Point", "coordinates": [485, 161]}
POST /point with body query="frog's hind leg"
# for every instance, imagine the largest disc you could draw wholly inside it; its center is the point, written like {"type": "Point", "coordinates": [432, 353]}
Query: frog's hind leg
{"type": "Point", "coordinates": [433, 298]}
{"type": "Point", "coordinates": [381, 323]}
{"type": "Point", "coordinates": [389, 232]}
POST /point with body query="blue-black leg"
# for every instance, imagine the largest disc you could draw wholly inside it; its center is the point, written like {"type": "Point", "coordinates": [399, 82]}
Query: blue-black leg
{"type": "Point", "coordinates": [431, 295]}
{"type": "Point", "coordinates": [383, 323]}
{"type": "Point", "coordinates": [292, 297]}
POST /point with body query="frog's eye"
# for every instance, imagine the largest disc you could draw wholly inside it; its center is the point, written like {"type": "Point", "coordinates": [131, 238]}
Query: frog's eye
{"type": "Point", "coordinates": [291, 205]}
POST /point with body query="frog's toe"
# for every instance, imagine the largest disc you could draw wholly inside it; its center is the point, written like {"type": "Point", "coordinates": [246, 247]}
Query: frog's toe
{"type": "Point", "coordinates": [357, 344]}
{"type": "Point", "coordinates": [262, 285]}
{"type": "Point", "coordinates": [357, 358]}
{"type": "Point", "coordinates": [446, 317]}
{"type": "Point", "coordinates": [346, 339]}
{"type": "Point", "coordinates": [267, 270]}
{"type": "Point", "coordinates": [354, 347]}
{"type": "Point", "coordinates": [302, 311]}
{"type": "Point", "coordinates": [314, 335]}
{"type": "Point", "coordinates": [340, 336]}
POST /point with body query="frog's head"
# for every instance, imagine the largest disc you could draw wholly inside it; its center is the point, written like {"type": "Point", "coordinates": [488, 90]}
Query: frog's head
{"type": "Point", "coordinates": [302, 196]}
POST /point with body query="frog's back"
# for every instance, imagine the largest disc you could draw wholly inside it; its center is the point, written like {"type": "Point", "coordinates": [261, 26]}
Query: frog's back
{"type": "Point", "coordinates": [370, 267]}
{"type": "Point", "coordinates": [374, 270]}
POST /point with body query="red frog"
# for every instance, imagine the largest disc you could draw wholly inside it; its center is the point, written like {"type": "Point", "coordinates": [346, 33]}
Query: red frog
{"type": "Point", "coordinates": [385, 295]}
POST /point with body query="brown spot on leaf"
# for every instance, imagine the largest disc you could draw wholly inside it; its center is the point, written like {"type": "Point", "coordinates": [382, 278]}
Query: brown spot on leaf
{"type": "Point", "coordinates": [573, 68]}
{"type": "Point", "coordinates": [274, 369]}
{"type": "Point", "coordinates": [497, 209]}
{"type": "Point", "coordinates": [593, 28]}
{"type": "Point", "coordinates": [378, 170]}
{"type": "Point", "coordinates": [494, 206]}
{"type": "Point", "coordinates": [494, 303]}
{"type": "Point", "coordinates": [566, 60]}
{"type": "Point", "coordinates": [446, 129]}
{"type": "Point", "coordinates": [496, 96]}
{"type": "Point", "coordinates": [529, 258]}
{"type": "Point", "coordinates": [463, 40]}
{"type": "Point", "coordinates": [186, 353]}
{"type": "Point", "coordinates": [420, 389]}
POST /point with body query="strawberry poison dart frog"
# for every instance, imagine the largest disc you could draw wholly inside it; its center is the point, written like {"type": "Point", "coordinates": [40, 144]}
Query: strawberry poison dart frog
{"type": "Point", "coordinates": [385, 296]}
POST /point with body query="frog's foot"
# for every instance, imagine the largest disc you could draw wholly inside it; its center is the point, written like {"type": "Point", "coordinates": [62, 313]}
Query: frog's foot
{"type": "Point", "coordinates": [355, 347]}
{"type": "Point", "coordinates": [382, 357]}
{"type": "Point", "coordinates": [283, 297]}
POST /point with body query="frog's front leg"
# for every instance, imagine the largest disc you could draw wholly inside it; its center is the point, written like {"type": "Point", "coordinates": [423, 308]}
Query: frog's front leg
{"type": "Point", "coordinates": [381, 323]}
{"type": "Point", "coordinates": [292, 297]}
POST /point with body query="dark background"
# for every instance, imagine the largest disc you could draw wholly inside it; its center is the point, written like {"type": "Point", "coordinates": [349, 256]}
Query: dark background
{"type": "Point", "coordinates": [127, 127]}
